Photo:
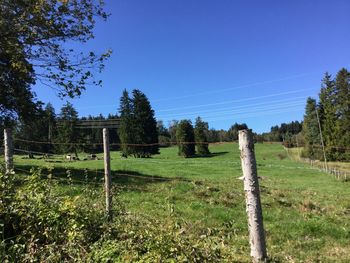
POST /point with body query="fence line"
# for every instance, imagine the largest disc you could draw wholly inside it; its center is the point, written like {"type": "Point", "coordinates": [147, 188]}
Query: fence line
{"type": "Point", "coordinates": [34, 152]}
{"type": "Point", "coordinates": [338, 174]}
{"type": "Point", "coordinates": [117, 144]}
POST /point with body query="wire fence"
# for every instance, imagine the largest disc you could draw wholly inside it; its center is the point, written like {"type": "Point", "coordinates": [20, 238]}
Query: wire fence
{"type": "Point", "coordinates": [338, 173]}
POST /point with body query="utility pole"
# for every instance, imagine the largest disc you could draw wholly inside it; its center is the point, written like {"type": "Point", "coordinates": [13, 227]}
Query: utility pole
{"type": "Point", "coordinates": [252, 194]}
{"type": "Point", "coordinates": [322, 143]}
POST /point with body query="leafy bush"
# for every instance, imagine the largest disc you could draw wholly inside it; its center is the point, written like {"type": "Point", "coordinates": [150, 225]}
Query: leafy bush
{"type": "Point", "coordinates": [41, 226]}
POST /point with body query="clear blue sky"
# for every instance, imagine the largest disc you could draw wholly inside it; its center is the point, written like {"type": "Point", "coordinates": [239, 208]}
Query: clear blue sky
{"type": "Point", "coordinates": [226, 61]}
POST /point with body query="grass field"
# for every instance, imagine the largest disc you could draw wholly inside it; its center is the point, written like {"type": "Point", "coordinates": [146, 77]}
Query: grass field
{"type": "Point", "coordinates": [342, 166]}
{"type": "Point", "coordinates": [306, 212]}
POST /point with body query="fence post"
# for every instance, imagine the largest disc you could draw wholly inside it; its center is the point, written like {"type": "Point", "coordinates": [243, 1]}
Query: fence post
{"type": "Point", "coordinates": [107, 166]}
{"type": "Point", "coordinates": [252, 193]}
{"type": "Point", "coordinates": [8, 150]}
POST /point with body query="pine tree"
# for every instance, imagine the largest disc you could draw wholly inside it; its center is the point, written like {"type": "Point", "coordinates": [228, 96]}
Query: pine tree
{"type": "Point", "coordinates": [343, 112]}
{"type": "Point", "coordinates": [126, 129]}
{"type": "Point", "coordinates": [185, 138]}
{"type": "Point", "coordinates": [201, 136]}
{"type": "Point", "coordinates": [50, 121]}
{"type": "Point", "coordinates": [145, 126]}
{"type": "Point", "coordinates": [68, 135]}
{"type": "Point", "coordinates": [327, 109]}
{"type": "Point", "coordinates": [311, 129]}
{"type": "Point", "coordinates": [233, 131]}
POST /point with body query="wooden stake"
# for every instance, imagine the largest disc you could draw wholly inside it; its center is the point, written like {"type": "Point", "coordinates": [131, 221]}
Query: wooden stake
{"type": "Point", "coordinates": [8, 150]}
{"type": "Point", "coordinates": [107, 165]}
{"type": "Point", "coordinates": [252, 193]}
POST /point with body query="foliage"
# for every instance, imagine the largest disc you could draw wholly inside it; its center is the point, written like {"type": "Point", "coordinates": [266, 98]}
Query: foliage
{"type": "Point", "coordinates": [233, 131]}
{"type": "Point", "coordinates": [33, 48]}
{"type": "Point", "coordinates": [185, 138]}
{"type": "Point", "coordinates": [42, 126]}
{"type": "Point", "coordinates": [137, 125]}
{"type": "Point", "coordinates": [311, 129]}
{"type": "Point", "coordinates": [68, 135]}
{"type": "Point", "coordinates": [201, 137]}
{"type": "Point", "coordinates": [284, 132]}
{"type": "Point", "coordinates": [42, 226]}
{"type": "Point", "coordinates": [334, 116]}
{"type": "Point", "coordinates": [145, 126]}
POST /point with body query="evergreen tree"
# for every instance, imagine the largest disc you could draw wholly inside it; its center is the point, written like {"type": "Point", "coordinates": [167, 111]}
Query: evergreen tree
{"type": "Point", "coordinates": [311, 129]}
{"type": "Point", "coordinates": [113, 134]}
{"type": "Point", "coordinates": [233, 131]}
{"type": "Point", "coordinates": [201, 136]}
{"type": "Point", "coordinates": [342, 100]}
{"type": "Point", "coordinates": [34, 129]}
{"type": "Point", "coordinates": [51, 124]}
{"type": "Point", "coordinates": [145, 126]}
{"type": "Point", "coordinates": [185, 138]}
{"type": "Point", "coordinates": [68, 135]}
{"type": "Point", "coordinates": [126, 128]}
{"type": "Point", "coordinates": [327, 109]}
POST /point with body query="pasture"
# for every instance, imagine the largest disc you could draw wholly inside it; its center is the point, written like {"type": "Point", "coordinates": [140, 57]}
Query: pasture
{"type": "Point", "coordinates": [306, 212]}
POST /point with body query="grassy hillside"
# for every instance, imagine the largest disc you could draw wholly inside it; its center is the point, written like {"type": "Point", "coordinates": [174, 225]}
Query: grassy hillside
{"type": "Point", "coordinates": [306, 212]}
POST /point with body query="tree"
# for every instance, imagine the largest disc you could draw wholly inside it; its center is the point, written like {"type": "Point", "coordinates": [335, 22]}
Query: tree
{"type": "Point", "coordinates": [126, 129]}
{"type": "Point", "coordinates": [311, 129]}
{"type": "Point", "coordinates": [201, 136]}
{"type": "Point", "coordinates": [185, 138]}
{"type": "Point", "coordinates": [32, 48]}
{"type": "Point", "coordinates": [342, 125]}
{"type": "Point", "coordinates": [172, 130]}
{"type": "Point", "coordinates": [233, 131]}
{"type": "Point", "coordinates": [145, 126]}
{"type": "Point", "coordinates": [164, 137]}
{"type": "Point", "coordinates": [16, 98]}
{"type": "Point", "coordinates": [327, 109]}
{"type": "Point", "coordinates": [35, 129]}
{"type": "Point", "coordinates": [68, 135]}
{"type": "Point", "coordinates": [50, 119]}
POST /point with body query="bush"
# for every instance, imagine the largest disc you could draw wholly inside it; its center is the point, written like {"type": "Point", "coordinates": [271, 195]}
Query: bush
{"type": "Point", "coordinates": [41, 226]}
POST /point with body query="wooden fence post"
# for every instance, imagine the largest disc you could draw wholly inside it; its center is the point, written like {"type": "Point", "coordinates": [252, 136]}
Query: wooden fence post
{"type": "Point", "coordinates": [8, 150]}
{"type": "Point", "coordinates": [252, 194]}
{"type": "Point", "coordinates": [107, 166]}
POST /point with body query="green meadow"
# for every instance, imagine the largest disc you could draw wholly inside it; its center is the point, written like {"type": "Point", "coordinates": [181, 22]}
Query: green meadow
{"type": "Point", "coordinates": [306, 211]}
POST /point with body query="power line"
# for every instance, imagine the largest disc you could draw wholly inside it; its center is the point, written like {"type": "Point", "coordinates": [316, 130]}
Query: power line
{"type": "Point", "coordinates": [238, 100]}
{"type": "Point", "coordinates": [246, 110]}
{"type": "Point", "coordinates": [235, 88]}
{"type": "Point", "coordinates": [235, 107]}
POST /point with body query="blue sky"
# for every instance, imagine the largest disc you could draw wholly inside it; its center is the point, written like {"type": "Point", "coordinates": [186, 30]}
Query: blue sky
{"type": "Point", "coordinates": [226, 61]}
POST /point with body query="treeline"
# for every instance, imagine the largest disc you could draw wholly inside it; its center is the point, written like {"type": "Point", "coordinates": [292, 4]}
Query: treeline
{"type": "Point", "coordinates": [48, 132]}
{"type": "Point", "coordinates": [288, 133]}
{"type": "Point", "coordinates": [139, 134]}
{"type": "Point", "coordinates": [331, 116]}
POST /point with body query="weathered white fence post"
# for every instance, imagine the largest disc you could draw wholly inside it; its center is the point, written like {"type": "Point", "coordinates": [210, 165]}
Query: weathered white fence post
{"type": "Point", "coordinates": [252, 194]}
{"type": "Point", "coordinates": [8, 150]}
{"type": "Point", "coordinates": [107, 166]}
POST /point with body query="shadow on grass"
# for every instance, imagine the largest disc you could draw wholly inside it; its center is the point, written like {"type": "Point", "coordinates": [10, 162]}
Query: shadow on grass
{"type": "Point", "coordinates": [130, 179]}
{"type": "Point", "coordinates": [210, 155]}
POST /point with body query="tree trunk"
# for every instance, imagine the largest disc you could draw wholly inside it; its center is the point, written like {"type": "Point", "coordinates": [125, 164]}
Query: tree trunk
{"type": "Point", "coordinates": [8, 150]}
{"type": "Point", "coordinates": [107, 165]}
{"type": "Point", "coordinates": [252, 194]}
